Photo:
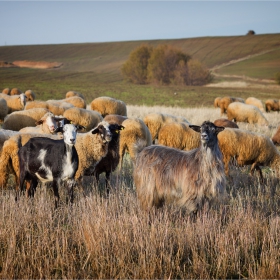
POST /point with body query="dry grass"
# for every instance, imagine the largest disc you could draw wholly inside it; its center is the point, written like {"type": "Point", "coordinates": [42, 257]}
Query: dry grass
{"type": "Point", "coordinates": [99, 237]}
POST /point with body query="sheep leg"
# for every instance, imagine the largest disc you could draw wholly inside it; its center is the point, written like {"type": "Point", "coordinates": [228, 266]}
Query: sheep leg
{"type": "Point", "coordinates": [70, 186]}
{"type": "Point", "coordinates": [107, 187]}
{"type": "Point", "coordinates": [256, 167]}
{"type": "Point", "coordinates": [31, 187]}
{"type": "Point", "coordinates": [56, 193]}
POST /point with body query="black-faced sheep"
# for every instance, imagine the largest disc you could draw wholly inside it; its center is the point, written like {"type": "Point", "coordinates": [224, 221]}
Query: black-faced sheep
{"type": "Point", "coordinates": [107, 105]}
{"type": "Point", "coordinates": [186, 179]}
{"type": "Point", "coordinates": [87, 118]}
{"type": "Point", "coordinates": [225, 101]}
{"type": "Point", "coordinates": [272, 105]}
{"type": "Point", "coordinates": [15, 102]}
{"type": "Point", "coordinates": [225, 123]}
{"type": "Point", "coordinates": [256, 102]}
{"type": "Point", "coordinates": [3, 109]}
{"type": "Point", "coordinates": [248, 148]}
{"type": "Point", "coordinates": [30, 95]}
{"type": "Point", "coordinates": [240, 112]}
{"type": "Point", "coordinates": [178, 135]}
{"type": "Point", "coordinates": [109, 163]}
{"type": "Point", "coordinates": [47, 160]}
{"type": "Point", "coordinates": [134, 131]}
{"type": "Point", "coordinates": [15, 91]}
{"type": "Point", "coordinates": [155, 121]}
{"type": "Point", "coordinates": [20, 119]}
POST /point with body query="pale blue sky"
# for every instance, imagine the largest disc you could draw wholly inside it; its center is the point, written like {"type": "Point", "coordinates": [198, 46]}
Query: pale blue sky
{"type": "Point", "coordinates": [59, 22]}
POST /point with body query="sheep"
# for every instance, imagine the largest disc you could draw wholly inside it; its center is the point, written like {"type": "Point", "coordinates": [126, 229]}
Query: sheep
{"type": "Point", "coordinates": [276, 137]}
{"type": "Point", "coordinates": [47, 124]}
{"type": "Point", "coordinates": [73, 93]}
{"type": "Point", "coordinates": [91, 148]}
{"type": "Point", "coordinates": [6, 91]}
{"type": "Point", "coordinates": [55, 108]}
{"type": "Point", "coordinates": [248, 148]}
{"type": "Point", "coordinates": [217, 101]}
{"type": "Point", "coordinates": [256, 102]}
{"type": "Point", "coordinates": [20, 119]}
{"type": "Point", "coordinates": [107, 105]}
{"type": "Point", "coordinates": [74, 100]}
{"type": "Point", "coordinates": [110, 162]}
{"type": "Point", "coordinates": [113, 118]}
{"type": "Point", "coordinates": [3, 109]}
{"type": "Point", "coordinates": [87, 118]}
{"type": "Point", "coordinates": [47, 160]}
{"type": "Point", "coordinates": [30, 95]}
{"type": "Point", "coordinates": [15, 102]}
{"type": "Point", "coordinates": [225, 101]}
{"type": "Point", "coordinates": [241, 112]}
{"type": "Point", "coordinates": [178, 135]}
{"type": "Point", "coordinates": [155, 121]}
{"type": "Point", "coordinates": [188, 179]}
{"type": "Point", "coordinates": [134, 131]}
{"type": "Point", "coordinates": [272, 105]}
{"type": "Point", "coordinates": [225, 123]}
{"type": "Point", "coordinates": [15, 91]}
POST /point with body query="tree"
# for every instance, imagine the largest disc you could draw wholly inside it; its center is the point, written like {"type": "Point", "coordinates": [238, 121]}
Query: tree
{"type": "Point", "coordinates": [167, 64]}
{"type": "Point", "coordinates": [198, 74]}
{"type": "Point", "coordinates": [135, 68]}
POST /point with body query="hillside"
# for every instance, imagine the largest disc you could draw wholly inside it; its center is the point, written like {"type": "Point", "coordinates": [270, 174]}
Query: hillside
{"type": "Point", "coordinates": [94, 68]}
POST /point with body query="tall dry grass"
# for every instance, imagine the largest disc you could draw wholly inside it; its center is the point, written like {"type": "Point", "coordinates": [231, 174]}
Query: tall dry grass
{"type": "Point", "coordinates": [100, 237]}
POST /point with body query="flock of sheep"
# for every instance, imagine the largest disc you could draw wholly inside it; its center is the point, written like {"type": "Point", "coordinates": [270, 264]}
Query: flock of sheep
{"type": "Point", "coordinates": [174, 161]}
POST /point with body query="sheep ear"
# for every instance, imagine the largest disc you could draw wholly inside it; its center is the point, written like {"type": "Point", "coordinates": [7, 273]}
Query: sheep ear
{"type": "Point", "coordinates": [219, 129]}
{"type": "Point", "coordinates": [39, 122]}
{"type": "Point", "coordinates": [96, 130]}
{"type": "Point", "coordinates": [195, 127]}
{"type": "Point", "coordinates": [80, 127]}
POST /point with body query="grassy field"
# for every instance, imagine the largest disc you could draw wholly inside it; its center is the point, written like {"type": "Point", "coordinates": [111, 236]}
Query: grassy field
{"type": "Point", "coordinates": [106, 238]}
{"type": "Point", "coordinates": [94, 70]}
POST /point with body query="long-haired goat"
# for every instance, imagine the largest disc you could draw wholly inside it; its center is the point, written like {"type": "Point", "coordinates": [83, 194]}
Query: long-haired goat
{"type": "Point", "coordinates": [187, 179]}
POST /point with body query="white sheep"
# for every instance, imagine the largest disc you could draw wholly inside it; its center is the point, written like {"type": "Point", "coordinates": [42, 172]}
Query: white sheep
{"type": "Point", "coordinates": [14, 102]}
{"type": "Point", "coordinates": [72, 93]}
{"type": "Point", "coordinates": [155, 121]}
{"type": "Point", "coordinates": [107, 105]}
{"type": "Point", "coordinates": [46, 125]}
{"type": "Point", "coordinates": [240, 112]}
{"type": "Point", "coordinates": [74, 100]}
{"type": "Point", "coordinates": [3, 109]}
{"type": "Point", "coordinates": [256, 102]}
{"type": "Point", "coordinates": [178, 135]}
{"type": "Point", "coordinates": [113, 118]}
{"type": "Point", "coordinates": [134, 131]}
{"type": "Point", "coordinates": [56, 108]}
{"type": "Point", "coordinates": [87, 118]}
{"type": "Point", "coordinates": [20, 119]}
{"type": "Point", "coordinates": [248, 148]}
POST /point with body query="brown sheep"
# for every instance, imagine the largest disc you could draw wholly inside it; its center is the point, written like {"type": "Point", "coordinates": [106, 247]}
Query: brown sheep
{"type": "Point", "coordinates": [6, 91]}
{"type": "Point", "coordinates": [107, 105]}
{"type": "Point", "coordinates": [112, 118]}
{"type": "Point", "coordinates": [217, 102]}
{"type": "Point", "coordinates": [187, 179]}
{"type": "Point", "coordinates": [15, 91]}
{"type": "Point", "coordinates": [225, 123]}
{"type": "Point", "coordinates": [248, 148]}
{"type": "Point", "coordinates": [178, 135]}
{"type": "Point", "coordinates": [276, 137]}
{"type": "Point", "coordinates": [225, 101]}
{"type": "Point", "coordinates": [272, 105]}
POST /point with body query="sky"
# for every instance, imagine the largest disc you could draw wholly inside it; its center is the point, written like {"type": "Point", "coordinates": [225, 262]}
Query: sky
{"type": "Point", "coordinates": [61, 22]}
